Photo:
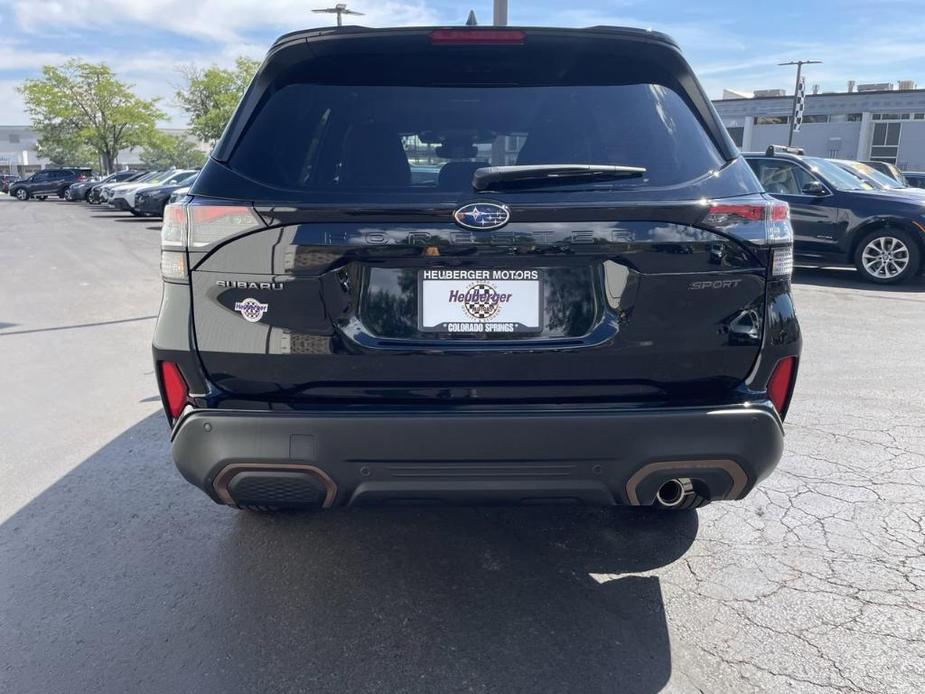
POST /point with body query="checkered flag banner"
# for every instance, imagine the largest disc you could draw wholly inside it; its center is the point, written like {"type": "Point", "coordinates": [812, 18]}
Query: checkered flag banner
{"type": "Point", "coordinates": [801, 105]}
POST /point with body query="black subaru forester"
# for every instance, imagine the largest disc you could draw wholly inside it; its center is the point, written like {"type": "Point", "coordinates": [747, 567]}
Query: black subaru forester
{"type": "Point", "coordinates": [476, 265]}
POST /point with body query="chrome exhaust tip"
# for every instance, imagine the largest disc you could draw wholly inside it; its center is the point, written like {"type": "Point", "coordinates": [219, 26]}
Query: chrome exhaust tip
{"type": "Point", "coordinates": [674, 492]}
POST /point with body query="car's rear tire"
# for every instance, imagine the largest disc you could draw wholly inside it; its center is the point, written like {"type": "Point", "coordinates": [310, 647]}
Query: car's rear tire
{"type": "Point", "coordinates": [22, 194]}
{"type": "Point", "coordinates": [887, 256]}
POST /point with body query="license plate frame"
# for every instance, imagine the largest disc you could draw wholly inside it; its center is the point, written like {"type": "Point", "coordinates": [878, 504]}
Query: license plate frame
{"type": "Point", "coordinates": [520, 291]}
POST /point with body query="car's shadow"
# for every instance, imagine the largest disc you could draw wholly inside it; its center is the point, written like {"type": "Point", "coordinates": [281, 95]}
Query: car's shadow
{"type": "Point", "coordinates": [849, 278]}
{"type": "Point", "coordinates": [121, 577]}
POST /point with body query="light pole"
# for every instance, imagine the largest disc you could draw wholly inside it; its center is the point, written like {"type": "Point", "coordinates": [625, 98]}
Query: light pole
{"type": "Point", "coordinates": [339, 9]}
{"type": "Point", "coordinates": [796, 92]}
{"type": "Point", "coordinates": [500, 13]}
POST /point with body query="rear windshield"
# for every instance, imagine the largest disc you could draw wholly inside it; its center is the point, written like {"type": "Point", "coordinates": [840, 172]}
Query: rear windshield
{"type": "Point", "coordinates": [412, 141]}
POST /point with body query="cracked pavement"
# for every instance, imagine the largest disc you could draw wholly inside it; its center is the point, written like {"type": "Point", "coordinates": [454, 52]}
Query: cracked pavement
{"type": "Point", "coordinates": [115, 575]}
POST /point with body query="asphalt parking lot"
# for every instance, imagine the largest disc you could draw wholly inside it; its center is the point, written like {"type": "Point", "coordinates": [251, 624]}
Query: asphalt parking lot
{"type": "Point", "coordinates": [118, 576]}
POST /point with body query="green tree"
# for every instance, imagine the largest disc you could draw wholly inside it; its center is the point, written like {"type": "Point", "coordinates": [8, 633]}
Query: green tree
{"type": "Point", "coordinates": [163, 151]}
{"type": "Point", "coordinates": [81, 103]}
{"type": "Point", "coordinates": [210, 96]}
{"type": "Point", "coordinates": [61, 144]}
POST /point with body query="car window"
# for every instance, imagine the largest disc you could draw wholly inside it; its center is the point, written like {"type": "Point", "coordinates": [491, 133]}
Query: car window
{"type": "Point", "coordinates": [412, 140]}
{"type": "Point", "coordinates": [41, 177]}
{"type": "Point", "coordinates": [878, 178]}
{"type": "Point", "coordinates": [836, 176]}
{"type": "Point", "coordinates": [176, 178]}
{"type": "Point", "coordinates": [781, 177]}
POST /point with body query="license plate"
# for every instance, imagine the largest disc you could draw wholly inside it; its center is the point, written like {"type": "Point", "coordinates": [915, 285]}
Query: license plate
{"type": "Point", "coordinates": [471, 302]}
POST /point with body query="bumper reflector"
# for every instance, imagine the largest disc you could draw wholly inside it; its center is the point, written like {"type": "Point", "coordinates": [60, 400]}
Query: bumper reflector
{"type": "Point", "coordinates": [780, 385]}
{"type": "Point", "coordinates": [176, 392]}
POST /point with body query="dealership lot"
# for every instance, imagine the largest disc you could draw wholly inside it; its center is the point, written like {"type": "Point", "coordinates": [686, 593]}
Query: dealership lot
{"type": "Point", "coordinates": [116, 575]}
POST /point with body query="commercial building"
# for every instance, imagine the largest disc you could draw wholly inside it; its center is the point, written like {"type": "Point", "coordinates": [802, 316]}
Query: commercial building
{"type": "Point", "coordinates": [18, 150]}
{"type": "Point", "coordinates": [882, 124]}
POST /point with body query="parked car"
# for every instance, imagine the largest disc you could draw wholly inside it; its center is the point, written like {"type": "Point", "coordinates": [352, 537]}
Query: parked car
{"type": "Point", "coordinates": [123, 196]}
{"type": "Point", "coordinates": [108, 190]}
{"type": "Point", "coordinates": [47, 182]}
{"type": "Point", "coordinates": [151, 200]}
{"type": "Point", "coordinates": [125, 199]}
{"type": "Point", "coordinates": [81, 189]}
{"type": "Point", "coordinates": [915, 179]}
{"type": "Point", "coordinates": [877, 179]}
{"type": "Point", "coordinates": [575, 326]}
{"type": "Point", "coordinates": [93, 195]}
{"type": "Point", "coordinates": [178, 195]}
{"type": "Point", "coordinates": [890, 170]}
{"type": "Point", "coordinates": [6, 180]}
{"type": "Point", "coordinates": [840, 219]}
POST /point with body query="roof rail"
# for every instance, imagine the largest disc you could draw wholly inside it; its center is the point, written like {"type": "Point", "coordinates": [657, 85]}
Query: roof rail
{"type": "Point", "coordinates": [784, 149]}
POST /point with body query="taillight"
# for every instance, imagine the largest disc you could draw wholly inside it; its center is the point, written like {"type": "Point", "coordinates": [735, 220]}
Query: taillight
{"type": "Point", "coordinates": [477, 36]}
{"type": "Point", "coordinates": [176, 392]}
{"type": "Point", "coordinates": [209, 224]}
{"type": "Point", "coordinates": [174, 227]}
{"type": "Point", "coordinates": [780, 385]}
{"type": "Point", "coordinates": [197, 227]}
{"type": "Point", "coordinates": [759, 220]}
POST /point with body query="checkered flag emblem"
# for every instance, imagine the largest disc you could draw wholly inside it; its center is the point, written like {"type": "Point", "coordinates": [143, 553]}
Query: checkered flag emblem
{"type": "Point", "coordinates": [801, 105]}
{"type": "Point", "coordinates": [481, 301]}
{"type": "Point", "coordinates": [251, 309]}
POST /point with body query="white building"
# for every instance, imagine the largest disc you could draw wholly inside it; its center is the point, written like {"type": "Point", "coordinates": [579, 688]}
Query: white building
{"type": "Point", "coordinates": [883, 125]}
{"type": "Point", "coordinates": [18, 155]}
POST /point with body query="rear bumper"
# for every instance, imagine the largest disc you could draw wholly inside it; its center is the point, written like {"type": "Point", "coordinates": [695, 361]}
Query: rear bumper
{"type": "Point", "coordinates": [595, 455]}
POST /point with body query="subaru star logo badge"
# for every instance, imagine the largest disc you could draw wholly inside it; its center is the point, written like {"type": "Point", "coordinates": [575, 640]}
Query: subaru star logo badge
{"type": "Point", "coordinates": [482, 215]}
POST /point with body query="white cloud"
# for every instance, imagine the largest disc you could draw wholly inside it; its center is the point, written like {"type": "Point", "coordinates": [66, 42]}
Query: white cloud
{"type": "Point", "coordinates": [12, 109]}
{"type": "Point", "coordinates": [153, 73]}
{"type": "Point", "coordinates": [221, 20]}
{"type": "Point", "coordinates": [725, 52]}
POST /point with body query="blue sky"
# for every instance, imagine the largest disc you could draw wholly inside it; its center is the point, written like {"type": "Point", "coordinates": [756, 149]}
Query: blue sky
{"type": "Point", "coordinates": [730, 44]}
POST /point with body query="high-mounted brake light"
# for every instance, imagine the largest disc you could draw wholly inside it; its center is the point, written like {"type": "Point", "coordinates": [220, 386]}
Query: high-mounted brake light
{"type": "Point", "coordinates": [176, 392]}
{"type": "Point", "coordinates": [477, 36]}
{"type": "Point", "coordinates": [780, 385]}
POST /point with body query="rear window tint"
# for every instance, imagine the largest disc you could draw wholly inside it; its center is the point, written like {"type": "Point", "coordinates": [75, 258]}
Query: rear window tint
{"type": "Point", "coordinates": [418, 140]}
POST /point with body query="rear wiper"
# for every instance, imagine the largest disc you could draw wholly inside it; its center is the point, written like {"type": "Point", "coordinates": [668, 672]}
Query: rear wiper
{"type": "Point", "coordinates": [489, 176]}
